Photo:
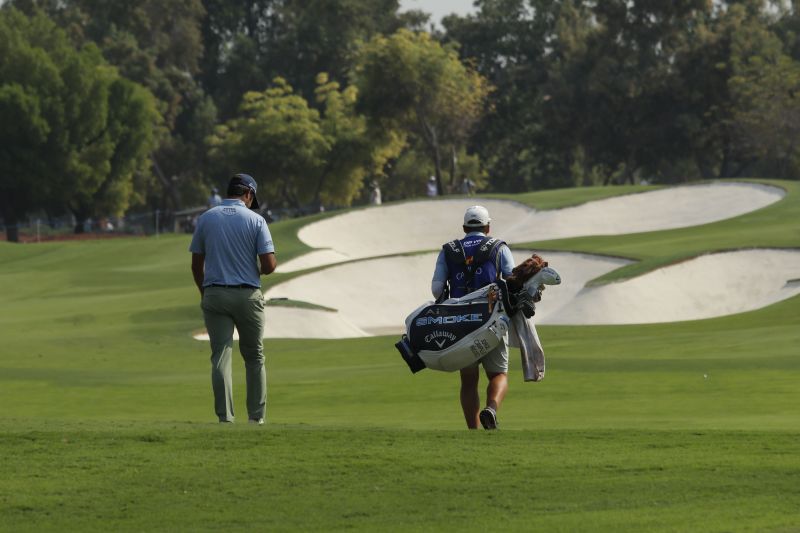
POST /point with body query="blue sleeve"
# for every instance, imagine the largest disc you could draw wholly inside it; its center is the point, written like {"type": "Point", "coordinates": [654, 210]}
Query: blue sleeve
{"type": "Point", "coordinates": [440, 274]}
{"type": "Point", "coordinates": [506, 260]}
{"type": "Point", "coordinates": [441, 271]}
{"type": "Point", "coordinates": [198, 243]}
{"type": "Point", "coordinates": [264, 243]}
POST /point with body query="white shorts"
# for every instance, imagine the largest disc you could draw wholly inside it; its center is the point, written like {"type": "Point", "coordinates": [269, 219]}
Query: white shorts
{"type": "Point", "coordinates": [496, 361]}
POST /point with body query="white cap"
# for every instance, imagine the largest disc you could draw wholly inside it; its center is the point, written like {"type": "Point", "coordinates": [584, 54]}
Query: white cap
{"type": "Point", "coordinates": [476, 216]}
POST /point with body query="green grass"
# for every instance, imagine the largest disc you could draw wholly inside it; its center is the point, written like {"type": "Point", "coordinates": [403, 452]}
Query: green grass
{"type": "Point", "coordinates": [107, 417]}
{"type": "Point", "coordinates": [559, 198]}
{"type": "Point", "coordinates": [200, 477]}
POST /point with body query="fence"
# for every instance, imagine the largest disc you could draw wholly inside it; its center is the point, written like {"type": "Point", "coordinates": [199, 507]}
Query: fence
{"type": "Point", "coordinates": [39, 229]}
{"type": "Point", "coordinates": [151, 223]}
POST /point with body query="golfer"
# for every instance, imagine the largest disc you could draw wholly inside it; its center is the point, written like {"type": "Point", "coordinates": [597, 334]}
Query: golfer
{"type": "Point", "coordinates": [463, 266]}
{"type": "Point", "coordinates": [231, 248]}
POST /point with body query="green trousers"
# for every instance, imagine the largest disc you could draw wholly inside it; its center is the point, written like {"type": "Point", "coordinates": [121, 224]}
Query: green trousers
{"type": "Point", "coordinates": [224, 308]}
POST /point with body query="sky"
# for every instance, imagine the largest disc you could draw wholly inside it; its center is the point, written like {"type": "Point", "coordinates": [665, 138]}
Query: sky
{"type": "Point", "coordinates": [439, 8]}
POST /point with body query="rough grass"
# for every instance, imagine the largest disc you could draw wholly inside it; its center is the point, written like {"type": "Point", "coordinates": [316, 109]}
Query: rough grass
{"type": "Point", "coordinates": [108, 423]}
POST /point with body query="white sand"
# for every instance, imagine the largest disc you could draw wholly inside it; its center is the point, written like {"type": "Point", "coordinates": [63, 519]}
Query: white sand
{"type": "Point", "coordinates": [283, 322]}
{"type": "Point", "coordinates": [375, 294]}
{"type": "Point", "coordinates": [425, 225]}
{"type": "Point", "coordinates": [707, 286]}
{"type": "Point", "coordinates": [711, 285]}
{"type": "Point", "coordinates": [378, 294]}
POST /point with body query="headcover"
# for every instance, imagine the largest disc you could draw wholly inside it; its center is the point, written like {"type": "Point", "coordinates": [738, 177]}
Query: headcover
{"type": "Point", "coordinates": [536, 274]}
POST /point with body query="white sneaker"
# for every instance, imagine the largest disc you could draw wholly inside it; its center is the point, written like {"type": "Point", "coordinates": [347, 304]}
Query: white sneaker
{"type": "Point", "coordinates": [259, 421]}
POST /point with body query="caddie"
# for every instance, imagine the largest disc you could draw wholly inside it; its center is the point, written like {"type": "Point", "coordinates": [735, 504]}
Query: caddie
{"type": "Point", "coordinates": [231, 248]}
{"type": "Point", "coordinates": [465, 265]}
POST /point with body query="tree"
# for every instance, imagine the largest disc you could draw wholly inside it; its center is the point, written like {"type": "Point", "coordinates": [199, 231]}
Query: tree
{"type": "Point", "coordinates": [411, 83]}
{"type": "Point", "coordinates": [355, 152]}
{"type": "Point", "coordinates": [300, 155]}
{"type": "Point", "coordinates": [277, 138]}
{"type": "Point", "coordinates": [508, 41]}
{"type": "Point", "coordinates": [619, 89]}
{"type": "Point", "coordinates": [765, 89]}
{"type": "Point", "coordinates": [158, 44]}
{"type": "Point", "coordinates": [129, 128]}
{"type": "Point", "coordinates": [249, 43]}
{"type": "Point", "coordinates": [62, 110]}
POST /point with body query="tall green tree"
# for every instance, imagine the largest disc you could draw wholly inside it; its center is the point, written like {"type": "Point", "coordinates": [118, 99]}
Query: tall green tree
{"type": "Point", "coordinates": [248, 43]}
{"type": "Point", "coordinates": [71, 126]}
{"type": "Point", "coordinates": [355, 153]}
{"type": "Point", "coordinates": [302, 156]}
{"type": "Point", "coordinates": [508, 42]}
{"type": "Point", "coordinates": [765, 89]}
{"type": "Point", "coordinates": [409, 82]}
{"type": "Point", "coordinates": [711, 111]}
{"type": "Point", "coordinates": [158, 44]}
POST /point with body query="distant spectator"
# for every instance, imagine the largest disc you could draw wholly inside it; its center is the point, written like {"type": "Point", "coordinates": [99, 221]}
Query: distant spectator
{"type": "Point", "coordinates": [215, 199]}
{"type": "Point", "coordinates": [375, 193]}
{"type": "Point", "coordinates": [432, 189]}
{"type": "Point", "coordinates": [467, 187]}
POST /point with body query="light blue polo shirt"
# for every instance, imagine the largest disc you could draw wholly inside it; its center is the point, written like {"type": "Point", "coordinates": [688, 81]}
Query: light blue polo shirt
{"type": "Point", "coordinates": [231, 237]}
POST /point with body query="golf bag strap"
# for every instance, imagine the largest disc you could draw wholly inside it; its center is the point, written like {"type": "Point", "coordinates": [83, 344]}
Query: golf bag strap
{"type": "Point", "coordinates": [485, 249]}
{"type": "Point", "coordinates": [454, 252]}
{"type": "Point", "coordinates": [454, 255]}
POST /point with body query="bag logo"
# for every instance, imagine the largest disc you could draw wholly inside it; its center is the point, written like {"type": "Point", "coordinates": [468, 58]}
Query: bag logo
{"type": "Point", "coordinates": [452, 319]}
{"type": "Point", "coordinates": [479, 348]}
{"type": "Point", "coordinates": [444, 335]}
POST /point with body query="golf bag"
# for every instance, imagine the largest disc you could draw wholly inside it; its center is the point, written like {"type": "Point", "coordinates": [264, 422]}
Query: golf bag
{"type": "Point", "coordinates": [456, 333]}
{"type": "Point", "coordinates": [453, 334]}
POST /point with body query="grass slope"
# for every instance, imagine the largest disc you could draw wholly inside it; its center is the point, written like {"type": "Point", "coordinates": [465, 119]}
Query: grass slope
{"type": "Point", "coordinates": [108, 421]}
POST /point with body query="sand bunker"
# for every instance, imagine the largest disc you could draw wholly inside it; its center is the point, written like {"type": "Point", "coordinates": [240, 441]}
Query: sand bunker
{"type": "Point", "coordinates": [375, 294]}
{"type": "Point", "coordinates": [707, 286]}
{"type": "Point", "coordinates": [283, 322]}
{"type": "Point", "coordinates": [425, 225]}
{"type": "Point", "coordinates": [378, 294]}
{"type": "Point", "coordinates": [390, 288]}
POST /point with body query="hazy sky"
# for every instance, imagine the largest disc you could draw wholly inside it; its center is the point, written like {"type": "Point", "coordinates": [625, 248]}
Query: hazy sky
{"type": "Point", "coordinates": [439, 8]}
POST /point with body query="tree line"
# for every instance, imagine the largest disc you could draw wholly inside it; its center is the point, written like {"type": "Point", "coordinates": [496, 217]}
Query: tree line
{"type": "Point", "coordinates": [108, 106]}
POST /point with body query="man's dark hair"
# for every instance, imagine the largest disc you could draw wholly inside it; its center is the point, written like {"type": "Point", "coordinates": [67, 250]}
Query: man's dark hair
{"type": "Point", "coordinates": [237, 189]}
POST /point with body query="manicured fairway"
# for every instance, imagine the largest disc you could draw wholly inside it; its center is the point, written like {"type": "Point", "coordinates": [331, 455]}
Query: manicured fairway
{"type": "Point", "coordinates": [107, 420]}
{"type": "Point", "coordinates": [195, 477]}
